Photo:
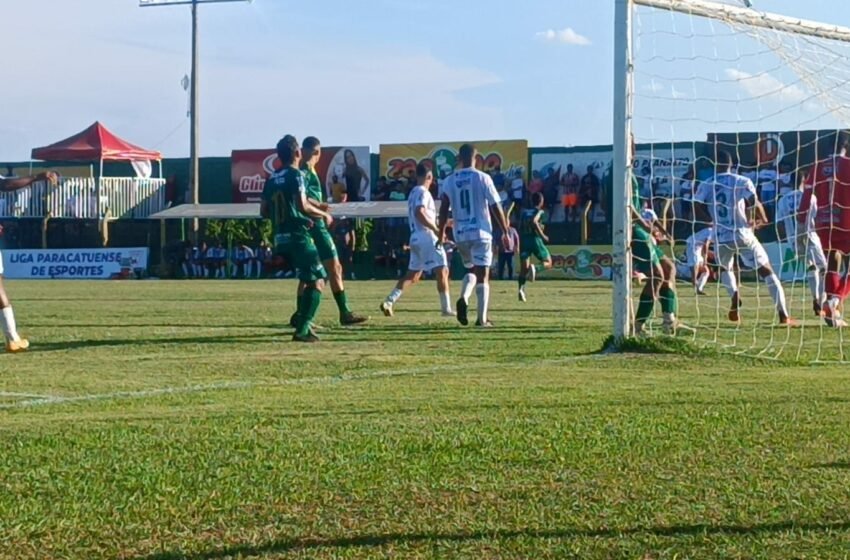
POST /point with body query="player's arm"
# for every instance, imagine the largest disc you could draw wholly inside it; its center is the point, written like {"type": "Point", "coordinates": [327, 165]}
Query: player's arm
{"type": "Point", "coordinates": [423, 220]}
{"type": "Point", "coordinates": [305, 207]}
{"type": "Point", "coordinates": [17, 183]}
{"type": "Point", "coordinates": [443, 221]}
{"type": "Point", "coordinates": [638, 219]}
{"type": "Point", "coordinates": [495, 202]}
{"type": "Point", "coordinates": [539, 227]}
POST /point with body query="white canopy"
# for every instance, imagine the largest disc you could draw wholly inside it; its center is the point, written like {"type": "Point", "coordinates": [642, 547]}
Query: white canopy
{"type": "Point", "coordinates": [395, 209]}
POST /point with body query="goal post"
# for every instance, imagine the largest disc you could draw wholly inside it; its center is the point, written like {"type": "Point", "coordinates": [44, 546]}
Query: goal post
{"type": "Point", "coordinates": [719, 69]}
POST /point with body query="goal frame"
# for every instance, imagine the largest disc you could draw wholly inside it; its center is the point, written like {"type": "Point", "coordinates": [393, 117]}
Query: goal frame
{"type": "Point", "coordinates": [624, 92]}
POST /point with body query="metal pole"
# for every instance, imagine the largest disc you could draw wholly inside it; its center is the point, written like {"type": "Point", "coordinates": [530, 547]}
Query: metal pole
{"type": "Point", "coordinates": [622, 185]}
{"type": "Point", "coordinates": [195, 133]}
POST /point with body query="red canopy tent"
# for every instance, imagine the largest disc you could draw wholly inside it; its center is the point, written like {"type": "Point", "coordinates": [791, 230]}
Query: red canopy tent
{"type": "Point", "coordinates": [96, 143]}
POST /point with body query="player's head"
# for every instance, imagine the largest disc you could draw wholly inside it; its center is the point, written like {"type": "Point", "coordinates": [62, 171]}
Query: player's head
{"type": "Point", "coordinates": [466, 155]}
{"type": "Point", "coordinates": [834, 144]}
{"type": "Point", "coordinates": [725, 161]}
{"type": "Point", "coordinates": [569, 168]}
{"type": "Point", "coordinates": [288, 151]}
{"type": "Point", "coordinates": [537, 200]}
{"type": "Point", "coordinates": [423, 175]}
{"type": "Point", "coordinates": [311, 150]}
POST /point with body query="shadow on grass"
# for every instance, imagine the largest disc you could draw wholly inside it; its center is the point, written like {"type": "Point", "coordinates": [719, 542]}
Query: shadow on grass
{"type": "Point", "coordinates": [307, 544]}
{"type": "Point", "coordinates": [833, 465]}
{"type": "Point", "coordinates": [161, 341]}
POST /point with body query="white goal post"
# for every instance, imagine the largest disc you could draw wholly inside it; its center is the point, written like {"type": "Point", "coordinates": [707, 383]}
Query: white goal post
{"type": "Point", "coordinates": [751, 22]}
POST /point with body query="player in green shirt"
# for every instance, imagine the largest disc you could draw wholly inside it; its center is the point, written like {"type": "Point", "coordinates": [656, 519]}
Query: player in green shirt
{"type": "Point", "coordinates": [293, 218]}
{"type": "Point", "coordinates": [532, 241]}
{"type": "Point", "coordinates": [311, 151]}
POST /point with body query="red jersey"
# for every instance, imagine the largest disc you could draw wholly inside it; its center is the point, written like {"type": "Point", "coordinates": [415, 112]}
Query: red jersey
{"type": "Point", "coordinates": [829, 181]}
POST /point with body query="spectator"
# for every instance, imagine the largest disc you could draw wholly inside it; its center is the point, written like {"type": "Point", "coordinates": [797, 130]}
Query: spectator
{"type": "Point", "coordinates": [550, 191]}
{"type": "Point", "coordinates": [185, 260]}
{"type": "Point", "coordinates": [243, 256]}
{"type": "Point", "coordinates": [356, 178]}
{"type": "Point", "coordinates": [536, 184]}
{"type": "Point", "coordinates": [518, 188]}
{"type": "Point", "coordinates": [499, 179]}
{"type": "Point", "coordinates": [397, 192]}
{"type": "Point", "coordinates": [507, 250]}
{"type": "Point", "coordinates": [685, 189]}
{"type": "Point", "coordinates": [199, 253]}
{"type": "Point", "coordinates": [345, 239]}
{"type": "Point", "coordinates": [570, 183]}
{"type": "Point", "coordinates": [382, 189]}
{"type": "Point", "coordinates": [262, 258]}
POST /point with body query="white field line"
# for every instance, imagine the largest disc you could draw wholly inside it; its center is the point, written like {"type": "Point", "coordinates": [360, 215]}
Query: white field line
{"type": "Point", "coordinates": [23, 395]}
{"type": "Point", "coordinates": [44, 400]}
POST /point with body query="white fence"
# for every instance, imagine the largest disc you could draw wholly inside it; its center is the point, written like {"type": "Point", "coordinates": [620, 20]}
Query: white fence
{"type": "Point", "coordinates": [120, 197]}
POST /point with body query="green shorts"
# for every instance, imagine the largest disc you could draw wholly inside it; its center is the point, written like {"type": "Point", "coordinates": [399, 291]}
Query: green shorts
{"type": "Point", "coordinates": [646, 255]}
{"type": "Point", "coordinates": [324, 244]}
{"type": "Point", "coordinates": [300, 250]}
{"type": "Point", "coordinates": [533, 247]}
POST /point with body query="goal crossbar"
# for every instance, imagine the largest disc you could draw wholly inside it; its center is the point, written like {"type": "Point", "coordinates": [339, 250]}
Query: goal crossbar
{"type": "Point", "coordinates": [751, 17]}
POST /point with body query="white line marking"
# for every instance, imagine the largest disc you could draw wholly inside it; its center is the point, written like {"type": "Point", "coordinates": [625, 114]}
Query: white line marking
{"type": "Point", "coordinates": [43, 400]}
{"type": "Point", "coordinates": [24, 395]}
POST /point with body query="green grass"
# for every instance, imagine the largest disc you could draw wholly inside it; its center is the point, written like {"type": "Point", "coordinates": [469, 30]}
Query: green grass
{"type": "Point", "coordinates": [166, 420]}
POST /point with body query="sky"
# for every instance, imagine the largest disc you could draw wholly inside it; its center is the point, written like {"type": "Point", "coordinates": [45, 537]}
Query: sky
{"type": "Point", "coordinates": [360, 72]}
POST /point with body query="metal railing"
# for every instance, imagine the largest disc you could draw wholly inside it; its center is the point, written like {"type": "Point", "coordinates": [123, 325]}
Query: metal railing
{"type": "Point", "coordinates": [120, 197]}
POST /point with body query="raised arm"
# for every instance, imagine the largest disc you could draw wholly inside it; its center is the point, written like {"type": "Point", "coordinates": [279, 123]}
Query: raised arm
{"type": "Point", "coordinates": [17, 183]}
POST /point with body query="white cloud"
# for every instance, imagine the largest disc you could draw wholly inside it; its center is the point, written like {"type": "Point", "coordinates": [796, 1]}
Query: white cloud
{"type": "Point", "coordinates": [566, 36]}
{"type": "Point", "coordinates": [767, 86]}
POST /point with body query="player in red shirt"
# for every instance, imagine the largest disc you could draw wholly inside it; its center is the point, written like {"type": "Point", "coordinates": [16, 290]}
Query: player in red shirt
{"type": "Point", "coordinates": [828, 188]}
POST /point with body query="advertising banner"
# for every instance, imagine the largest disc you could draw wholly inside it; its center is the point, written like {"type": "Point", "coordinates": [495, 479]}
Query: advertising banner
{"type": "Point", "coordinates": [399, 161]}
{"type": "Point", "coordinates": [579, 262]}
{"type": "Point", "coordinates": [78, 264]}
{"type": "Point", "coordinates": [341, 169]}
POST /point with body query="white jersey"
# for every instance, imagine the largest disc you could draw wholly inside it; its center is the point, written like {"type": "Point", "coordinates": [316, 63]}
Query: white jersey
{"type": "Point", "coordinates": [420, 197]}
{"type": "Point", "coordinates": [786, 212]}
{"type": "Point", "coordinates": [471, 193]}
{"type": "Point", "coordinates": [727, 195]}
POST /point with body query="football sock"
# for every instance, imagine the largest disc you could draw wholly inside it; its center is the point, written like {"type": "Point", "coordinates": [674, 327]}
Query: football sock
{"type": "Point", "coordinates": [394, 296]}
{"type": "Point", "coordinates": [467, 286]}
{"type": "Point", "coordinates": [10, 329]}
{"type": "Point", "coordinates": [482, 294]}
{"type": "Point", "coordinates": [445, 302]}
{"type": "Point", "coordinates": [312, 298]}
{"type": "Point", "coordinates": [777, 293]}
{"type": "Point", "coordinates": [522, 280]}
{"type": "Point", "coordinates": [644, 310]}
{"type": "Point", "coordinates": [729, 282]}
{"type": "Point", "coordinates": [814, 283]}
{"type": "Point", "coordinates": [342, 303]}
{"type": "Point", "coordinates": [702, 280]}
{"type": "Point", "coordinates": [669, 300]}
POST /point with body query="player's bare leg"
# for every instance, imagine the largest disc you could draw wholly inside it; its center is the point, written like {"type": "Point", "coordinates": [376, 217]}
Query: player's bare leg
{"type": "Point", "coordinates": [346, 316]}
{"type": "Point", "coordinates": [14, 343]}
{"type": "Point", "coordinates": [442, 275]}
{"type": "Point", "coordinates": [777, 293]}
{"type": "Point", "coordinates": [409, 279]}
{"type": "Point", "coordinates": [524, 266]}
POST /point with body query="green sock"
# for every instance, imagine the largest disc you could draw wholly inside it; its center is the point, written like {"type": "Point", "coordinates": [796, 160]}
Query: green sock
{"type": "Point", "coordinates": [669, 300]}
{"type": "Point", "coordinates": [312, 298]}
{"type": "Point", "coordinates": [299, 306]}
{"type": "Point", "coordinates": [342, 303]}
{"type": "Point", "coordinates": [644, 310]}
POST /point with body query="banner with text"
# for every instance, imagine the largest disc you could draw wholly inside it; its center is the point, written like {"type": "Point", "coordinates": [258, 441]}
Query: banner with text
{"type": "Point", "coordinates": [399, 161]}
{"type": "Point", "coordinates": [341, 170]}
{"type": "Point", "coordinates": [579, 262]}
{"type": "Point", "coordinates": [78, 264]}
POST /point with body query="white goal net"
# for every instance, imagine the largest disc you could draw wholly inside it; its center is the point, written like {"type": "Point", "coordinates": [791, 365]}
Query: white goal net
{"type": "Point", "coordinates": [708, 78]}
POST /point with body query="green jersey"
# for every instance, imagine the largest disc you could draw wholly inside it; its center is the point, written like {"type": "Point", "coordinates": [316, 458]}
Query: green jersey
{"type": "Point", "coordinates": [281, 193]}
{"type": "Point", "coordinates": [527, 220]}
{"type": "Point", "coordinates": [313, 184]}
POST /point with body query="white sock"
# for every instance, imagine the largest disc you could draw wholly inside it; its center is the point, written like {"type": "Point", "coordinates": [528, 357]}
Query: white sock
{"type": "Point", "coordinates": [394, 296]}
{"type": "Point", "coordinates": [729, 282]}
{"type": "Point", "coordinates": [467, 286]}
{"type": "Point", "coordinates": [445, 302]}
{"type": "Point", "coordinates": [814, 284]}
{"type": "Point", "coordinates": [10, 329]}
{"type": "Point", "coordinates": [482, 293]}
{"type": "Point", "coordinates": [777, 293]}
{"type": "Point", "coordinates": [702, 280]}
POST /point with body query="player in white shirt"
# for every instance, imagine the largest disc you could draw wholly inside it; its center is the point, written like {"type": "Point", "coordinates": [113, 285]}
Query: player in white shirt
{"type": "Point", "coordinates": [472, 198]}
{"type": "Point", "coordinates": [805, 241]}
{"type": "Point", "coordinates": [14, 342]}
{"type": "Point", "coordinates": [696, 251]}
{"type": "Point", "coordinates": [426, 248]}
{"type": "Point", "coordinates": [727, 200]}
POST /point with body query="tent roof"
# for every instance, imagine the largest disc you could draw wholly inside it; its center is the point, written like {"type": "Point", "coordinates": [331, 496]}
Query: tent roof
{"type": "Point", "coordinates": [94, 144]}
{"type": "Point", "coordinates": [251, 211]}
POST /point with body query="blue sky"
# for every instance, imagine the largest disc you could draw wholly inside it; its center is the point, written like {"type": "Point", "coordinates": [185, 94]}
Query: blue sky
{"type": "Point", "coordinates": [351, 72]}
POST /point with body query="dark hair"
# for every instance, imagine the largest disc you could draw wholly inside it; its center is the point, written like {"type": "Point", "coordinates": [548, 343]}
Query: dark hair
{"type": "Point", "coordinates": [466, 154]}
{"type": "Point", "coordinates": [832, 143]}
{"type": "Point", "coordinates": [422, 171]}
{"type": "Point", "coordinates": [310, 143]}
{"type": "Point", "coordinates": [286, 149]}
{"type": "Point", "coordinates": [724, 159]}
{"type": "Point", "coordinates": [536, 199]}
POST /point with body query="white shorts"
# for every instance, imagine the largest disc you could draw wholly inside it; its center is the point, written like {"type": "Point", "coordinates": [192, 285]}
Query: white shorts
{"type": "Point", "coordinates": [476, 253]}
{"type": "Point", "coordinates": [808, 246]}
{"type": "Point", "coordinates": [747, 247]}
{"type": "Point", "coordinates": [425, 255]}
{"type": "Point", "coordinates": [696, 256]}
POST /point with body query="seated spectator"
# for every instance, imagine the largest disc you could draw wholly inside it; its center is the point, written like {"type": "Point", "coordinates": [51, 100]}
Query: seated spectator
{"type": "Point", "coordinates": [243, 256]}
{"type": "Point", "coordinates": [199, 253]}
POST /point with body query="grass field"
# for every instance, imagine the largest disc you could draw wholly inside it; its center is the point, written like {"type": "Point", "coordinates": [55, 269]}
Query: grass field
{"type": "Point", "coordinates": [166, 420]}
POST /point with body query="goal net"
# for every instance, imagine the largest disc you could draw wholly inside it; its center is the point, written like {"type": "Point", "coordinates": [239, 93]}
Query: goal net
{"type": "Point", "coordinates": [698, 79]}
